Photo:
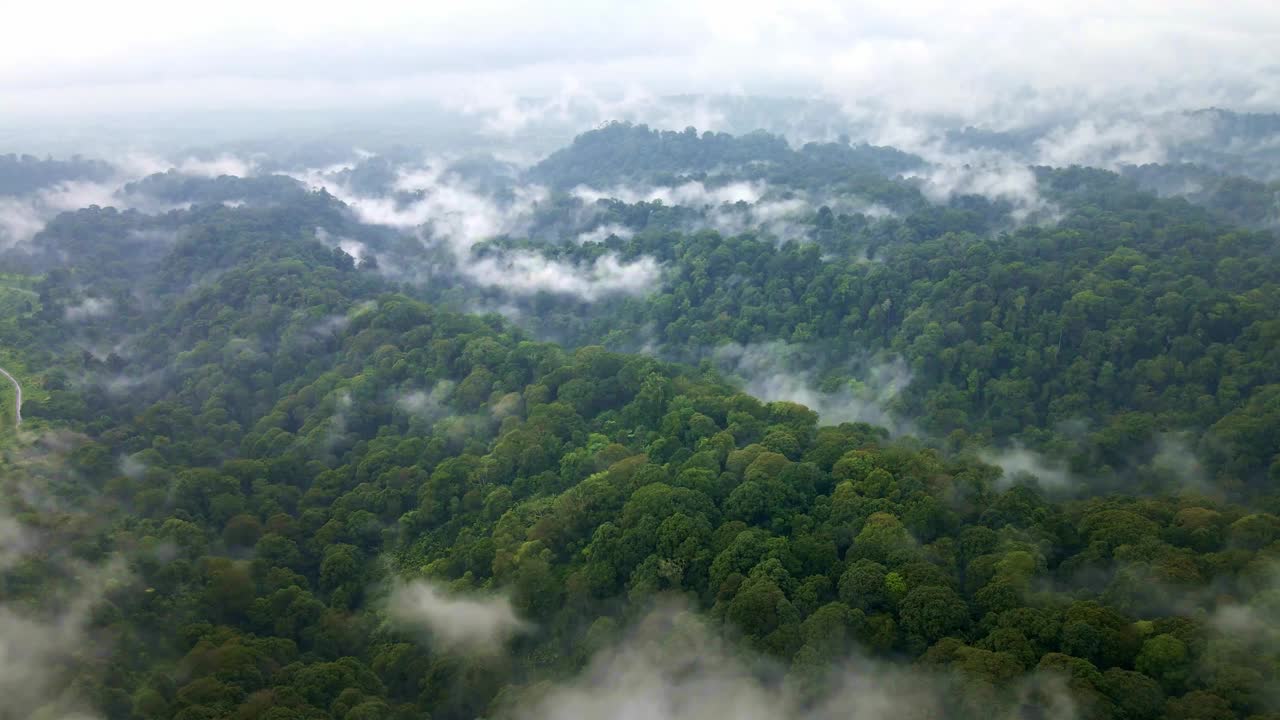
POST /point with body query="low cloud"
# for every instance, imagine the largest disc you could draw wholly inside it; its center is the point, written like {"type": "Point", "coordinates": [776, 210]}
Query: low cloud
{"type": "Point", "coordinates": [602, 233]}
{"type": "Point", "coordinates": [779, 218]}
{"type": "Point", "coordinates": [731, 209]}
{"type": "Point", "coordinates": [572, 106]}
{"type": "Point", "coordinates": [527, 273]}
{"type": "Point", "coordinates": [15, 541]}
{"type": "Point", "coordinates": [1167, 465]}
{"type": "Point", "coordinates": [76, 194]}
{"type": "Point", "coordinates": [330, 326]}
{"type": "Point", "coordinates": [469, 624]}
{"type": "Point", "coordinates": [771, 371]}
{"type": "Point", "coordinates": [694, 194]}
{"type": "Point", "coordinates": [431, 404]}
{"type": "Point", "coordinates": [40, 642]}
{"type": "Point", "coordinates": [994, 178]}
{"type": "Point", "coordinates": [445, 211]}
{"type": "Point", "coordinates": [1175, 458]}
{"type": "Point", "coordinates": [35, 650]}
{"type": "Point", "coordinates": [21, 218]}
{"type": "Point", "coordinates": [142, 164]}
{"type": "Point", "coordinates": [432, 196]}
{"type": "Point", "coordinates": [672, 666]}
{"type": "Point", "coordinates": [1018, 463]}
{"type": "Point", "coordinates": [132, 467]}
{"type": "Point", "coordinates": [123, 384]}
{"type": "Point", "coordinates": [216, 167]}
{"type": "Point", "coordinates": [356, 249]}
{"type": "Point", "coordinates": [1243, 634]}
{"type": "Point", "coordinates": [337, 430]}
{"type": "Point", "coordinates": [87, 309]}
{"type": "Point", "coordinates": [1114, 142]}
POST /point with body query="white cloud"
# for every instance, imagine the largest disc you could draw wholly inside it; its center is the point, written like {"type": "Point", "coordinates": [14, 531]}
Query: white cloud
{"type": "Point", "coordinates": [1113, 142]}
{"type": "Point", "coordinates": [1175, 458]}
{"type": "Point", "coordinates": [994, 177]}
{"type": "Point", "coordinates": [87, 309]}
{"type": "Point", "coordinates": [22, 217]}
{"type": "Point", "coordinates": [428, 404]}
{"type": "Point", "coordinates": [15, 540]}
{"type": "Point", "coordinates": [602, 233]}
{"type": "Point", "coordinates": [458, 623]}
{"type": "Point", "coordinates": [455, 212]}
{"type": "Point", "coordinates": [20, 220]}
{"type": "Point", "coordinates": [215, 167]}
{"type": "Point", "coordinates": [693, 194]}
{"type": "Point", "coordinates": [76, 194]}
{"type": "Point", "coordinates": [445, 210]}
{"type": "Point", "coordinates": [672, 666]}
{"type": "Point", "coordinates": [775, 217]}
{"type": "Point", "coordinates": [38, 646]}
{"type": "Point", "coordinates": [132, 467]}
{"type": "Point", "coordinates": [1003, 61]}
{"type": "Point", "coordinates": [140, 164]}
{"type": "Point", "coordinates": [731, 209]}
{"type": "Point", "coordinates": [525, 273]}
{"type": "Point", "coordinates": [774, 371]}
{"type": "Point", "coordinates": [31, 651]}
{"type": "Point", "coordinates": [356, 249]}
{"type": "Point", "coordinates": [1018, 461]}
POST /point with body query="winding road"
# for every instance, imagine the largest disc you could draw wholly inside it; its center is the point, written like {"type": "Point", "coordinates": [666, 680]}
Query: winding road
{"type": "Point", "coordinates": [17, 403]}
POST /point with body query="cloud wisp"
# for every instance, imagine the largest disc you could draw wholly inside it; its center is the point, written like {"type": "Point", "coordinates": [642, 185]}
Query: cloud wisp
{"type": "Point", "coordinates": [22, 217]}
{"type": "Point", "coordinates": [1019, 464]}
{"type": "Point", "coordinates": [772, 371]}
{"type": "Point", "coordinates": [693, 193]}
{"type": "Point", "coordinates": [467, 624]}
{"type": "Point", "coordinates": [44, 638]}
{"type": "Point", "coordinates": [442, 210]}
{"type": "Point", "coordinates": [672, 666]}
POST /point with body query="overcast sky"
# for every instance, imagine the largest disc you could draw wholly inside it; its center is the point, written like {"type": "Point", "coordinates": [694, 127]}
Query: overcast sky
{"type": "Point", "coordinates": [974, 58]}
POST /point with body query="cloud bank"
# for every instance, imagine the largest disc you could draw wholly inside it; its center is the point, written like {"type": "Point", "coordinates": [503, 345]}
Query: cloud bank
{"type": "Point", "coordinates": [509, 68]}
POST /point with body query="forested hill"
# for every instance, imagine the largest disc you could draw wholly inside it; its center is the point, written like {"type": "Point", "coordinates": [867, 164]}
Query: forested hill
{"type": "Point", "coordinates": [1240, 200]}
{"type": "Point", "coordinates": [622, 152]}
{"type": "Point", "coordinates": [21, 174]}
{"type": "Point", "coordinates": [1129, 325]}
{"type": "Point", "coordinates": [258, 478]}
{"type": "Point", "coordinates": [1222, 141]}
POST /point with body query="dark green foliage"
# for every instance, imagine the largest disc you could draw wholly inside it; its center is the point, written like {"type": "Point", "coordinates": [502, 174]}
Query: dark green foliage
{"type": "Point", "coordinates": [290, 432]}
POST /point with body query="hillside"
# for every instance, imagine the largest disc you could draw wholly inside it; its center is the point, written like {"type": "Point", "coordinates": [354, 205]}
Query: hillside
{"type": "Point", "coordinates": [268, 478]}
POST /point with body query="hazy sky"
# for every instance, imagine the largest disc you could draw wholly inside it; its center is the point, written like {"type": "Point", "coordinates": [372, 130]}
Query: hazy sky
{"type": "Point", "coordinates": [973, 57]}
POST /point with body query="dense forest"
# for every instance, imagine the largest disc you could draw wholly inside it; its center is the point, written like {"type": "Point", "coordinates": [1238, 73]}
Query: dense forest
{"type": "Point", "coordinates": [715, 424]}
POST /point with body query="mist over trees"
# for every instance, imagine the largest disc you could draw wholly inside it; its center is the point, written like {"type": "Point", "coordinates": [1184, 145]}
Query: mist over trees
{"type": "Point", "coordinates": [687, 423]}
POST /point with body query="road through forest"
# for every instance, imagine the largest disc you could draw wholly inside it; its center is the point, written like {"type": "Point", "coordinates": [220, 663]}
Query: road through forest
{"type": "Point", "coordinates": [17, 402]}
